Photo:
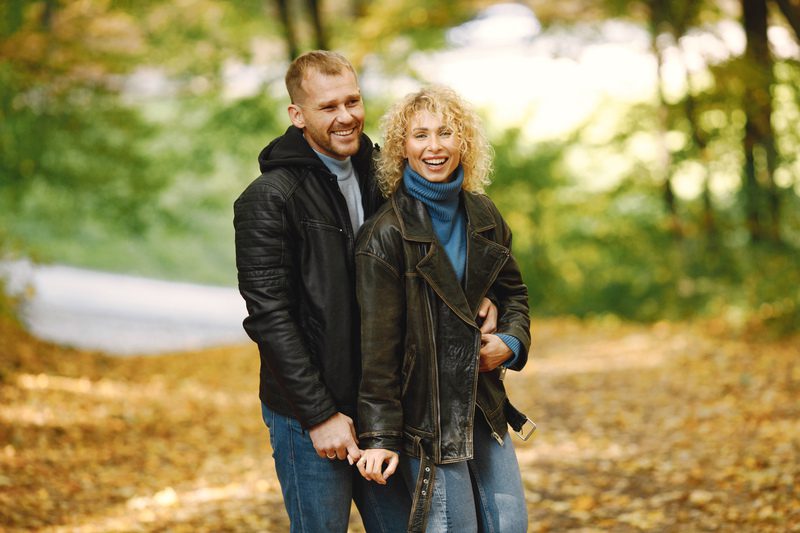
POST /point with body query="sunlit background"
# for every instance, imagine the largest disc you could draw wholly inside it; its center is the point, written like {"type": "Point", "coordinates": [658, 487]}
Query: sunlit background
{"type": "Point", "coordinates": [646, 151]}
{"type": "Point", "coordinates": [646, 160]}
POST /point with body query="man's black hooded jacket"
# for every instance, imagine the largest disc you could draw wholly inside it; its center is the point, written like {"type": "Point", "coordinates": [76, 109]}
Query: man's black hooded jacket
{"type": "Point", "coordinates": [295, 259]}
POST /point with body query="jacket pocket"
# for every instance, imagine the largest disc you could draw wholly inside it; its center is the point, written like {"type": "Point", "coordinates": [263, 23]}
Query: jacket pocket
{"type": "Point", "coordinates": [321, 225]}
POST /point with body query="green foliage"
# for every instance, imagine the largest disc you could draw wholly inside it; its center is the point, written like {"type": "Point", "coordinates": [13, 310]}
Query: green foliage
{"type": "Point", "coordinates": [95, 174]}
{"type": "Point", "coordinates": [616, 252]}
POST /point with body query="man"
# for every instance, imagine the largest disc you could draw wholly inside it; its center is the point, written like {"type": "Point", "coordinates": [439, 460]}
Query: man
{"type": "Point", "coordinates": [295, 233]}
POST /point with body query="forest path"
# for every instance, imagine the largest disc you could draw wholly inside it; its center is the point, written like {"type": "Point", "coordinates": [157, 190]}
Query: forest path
{"type": "Point", "coordinates": [121, 314]}
{"type": "Point", "coordinates": [669, 427]}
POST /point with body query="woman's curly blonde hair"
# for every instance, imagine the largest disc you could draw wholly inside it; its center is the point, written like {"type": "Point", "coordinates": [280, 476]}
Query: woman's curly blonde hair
{"type": "Point", "coordinates": [475, 150]}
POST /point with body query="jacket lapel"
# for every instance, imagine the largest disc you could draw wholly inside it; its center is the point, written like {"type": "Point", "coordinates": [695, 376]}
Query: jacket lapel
{"type": "Point", "coordinates": [435, 266]}
{"type": "Point", "coordinates": [438, 271]}
{"type": "Point", "coordinates": [485, 258]}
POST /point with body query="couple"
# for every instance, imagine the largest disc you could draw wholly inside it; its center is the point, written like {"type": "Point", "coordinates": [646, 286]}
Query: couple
{"type": "Point", "coordinates": [386, 305]}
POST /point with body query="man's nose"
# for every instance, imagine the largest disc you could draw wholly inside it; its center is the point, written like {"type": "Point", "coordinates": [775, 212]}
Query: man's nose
{"type": "Point", "coordinates": [343, 114]}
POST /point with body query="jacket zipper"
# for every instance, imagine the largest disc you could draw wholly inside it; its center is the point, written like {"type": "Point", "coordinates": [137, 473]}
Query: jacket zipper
{"type": "Point", "coordinates": [435, 366]}
{"type": "Point", "coordinates": [496, 436]}
{"type": "Point", "coordinates": [341, 208]}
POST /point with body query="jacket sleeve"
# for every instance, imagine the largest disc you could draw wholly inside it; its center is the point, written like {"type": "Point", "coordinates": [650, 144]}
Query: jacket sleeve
{"type": "Point", "coordinates": [511, 296]}
{"type": "Point", "coordinates": [264, 263]}
{"type": "Point", "coordinates": [381, 298]}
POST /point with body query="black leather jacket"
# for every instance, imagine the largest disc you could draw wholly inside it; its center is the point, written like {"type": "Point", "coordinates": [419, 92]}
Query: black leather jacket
{"type": "Point", "coordinates": [294, 255]}
{"type": "Point", "coordinates": [420, 340]}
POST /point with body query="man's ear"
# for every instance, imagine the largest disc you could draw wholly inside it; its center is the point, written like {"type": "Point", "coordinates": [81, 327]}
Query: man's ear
{"type": "Point", "coordinates": [296, 116]}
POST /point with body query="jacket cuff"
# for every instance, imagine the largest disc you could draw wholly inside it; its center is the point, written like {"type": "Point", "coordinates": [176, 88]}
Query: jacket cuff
{"type": "Point", "coordinates": [319, 418]}
{"type": "Point", "coordinates": [394, 444]}
{"type": "Point", "coordinates": [514, 344]}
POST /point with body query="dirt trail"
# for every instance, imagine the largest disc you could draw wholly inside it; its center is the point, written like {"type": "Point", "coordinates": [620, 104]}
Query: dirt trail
{"type": "Point", "coordinates": [641, 428]}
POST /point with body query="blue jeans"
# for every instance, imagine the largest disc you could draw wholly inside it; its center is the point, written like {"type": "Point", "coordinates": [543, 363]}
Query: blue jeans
{"type": "Point", "coordinates": [483, 494]}
{"type": "Point", "coordinates": [317, 492]}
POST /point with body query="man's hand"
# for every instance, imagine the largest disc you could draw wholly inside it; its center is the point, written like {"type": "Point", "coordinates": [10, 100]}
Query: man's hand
{"type": "Point", "coordinates": [336, 438]}
{"type": "Point", "coordinates": [371, 464]}
{"type": "Point", "coordinates": [487, 316]}
{"type": "Point", "coordinates": [494, 352]}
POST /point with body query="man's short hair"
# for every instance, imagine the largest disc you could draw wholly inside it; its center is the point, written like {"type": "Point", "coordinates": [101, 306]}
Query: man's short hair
{"type": "Point", "coordinates": [323, 61]}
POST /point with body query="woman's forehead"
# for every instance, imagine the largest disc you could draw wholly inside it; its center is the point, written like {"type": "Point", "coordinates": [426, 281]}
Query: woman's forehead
{"type": "Point", "coordinates": [428, 118]}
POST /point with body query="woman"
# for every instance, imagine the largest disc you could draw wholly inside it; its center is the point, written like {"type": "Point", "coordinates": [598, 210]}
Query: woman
{"type": "Point", "coordinates": [432, 384]}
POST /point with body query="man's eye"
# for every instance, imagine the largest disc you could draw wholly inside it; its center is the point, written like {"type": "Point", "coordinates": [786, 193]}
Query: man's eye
{"type": "Point", "coordinates": [353, 103]}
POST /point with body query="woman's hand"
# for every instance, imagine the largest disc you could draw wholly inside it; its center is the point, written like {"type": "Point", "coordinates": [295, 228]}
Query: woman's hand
{"type": "Point", "coordinates": [494, 352]}
{"type": "Point", "coordinates": [371, 464]}
{"type": "Point", "coordinates": [487, 316]}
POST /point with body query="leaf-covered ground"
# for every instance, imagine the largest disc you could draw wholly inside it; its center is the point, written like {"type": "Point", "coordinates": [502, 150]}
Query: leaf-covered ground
{"type": "Point", "coordinates": [641, 428]}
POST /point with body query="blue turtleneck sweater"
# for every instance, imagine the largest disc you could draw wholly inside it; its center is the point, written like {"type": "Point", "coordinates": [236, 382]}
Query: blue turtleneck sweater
{"type": "Point", "coordinates": [449, 223]}
{"type": "Point", "coordinates": [450, 226]}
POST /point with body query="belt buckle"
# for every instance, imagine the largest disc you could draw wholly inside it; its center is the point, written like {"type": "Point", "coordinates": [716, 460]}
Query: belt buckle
{"type": "Point", "coordinates": [521, 433]}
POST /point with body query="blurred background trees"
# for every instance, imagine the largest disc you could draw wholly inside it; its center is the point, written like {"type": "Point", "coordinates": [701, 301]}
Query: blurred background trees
{"type": "Point", "coordinates": [127, 129]}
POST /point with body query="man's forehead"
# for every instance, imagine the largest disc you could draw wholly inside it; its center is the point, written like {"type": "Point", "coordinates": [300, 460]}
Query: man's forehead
{"type": "Point", "coordinates": [315, 81]}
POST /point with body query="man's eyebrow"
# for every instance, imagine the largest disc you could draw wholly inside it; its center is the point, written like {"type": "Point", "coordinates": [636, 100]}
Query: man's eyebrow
{"type": "Point", "coordinates": [326, 103]}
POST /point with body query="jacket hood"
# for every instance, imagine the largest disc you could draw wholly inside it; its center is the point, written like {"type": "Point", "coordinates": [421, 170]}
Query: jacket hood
{"type": "Point", "coordinates": [292, 149]}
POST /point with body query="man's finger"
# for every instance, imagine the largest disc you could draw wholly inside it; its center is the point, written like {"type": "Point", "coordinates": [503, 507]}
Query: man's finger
{"type": "Point", "coordinates": [353, 451]}
{"type": "Point", "coordinates": [392, 467]}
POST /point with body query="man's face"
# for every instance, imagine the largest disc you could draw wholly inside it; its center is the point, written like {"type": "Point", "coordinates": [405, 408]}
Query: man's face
{"type": "Point", "coordinates": [330, 113]}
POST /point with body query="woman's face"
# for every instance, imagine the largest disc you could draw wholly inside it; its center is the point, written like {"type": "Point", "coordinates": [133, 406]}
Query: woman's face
{"type": "Point", "coordinates": [432, 149]}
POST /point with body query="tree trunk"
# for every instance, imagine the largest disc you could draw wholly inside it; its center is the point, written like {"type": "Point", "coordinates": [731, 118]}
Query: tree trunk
{"type": "Point", "coordinates": [316, 20]}
{"type": "Point", "coordinates": [47, 14]}
{"type": "Point", "coordinates": [701, 144]}
{"type": "Point", "coordinates": [359, 8]}
{"type": "Point", "coordinates": [668, 195]}
{"type": "Point", "coordinates": [763, 221]}
{"type": "Point", "coordinates": [291, 40]}
{"type": "Point", "coordinates": [791, 11]}
{"type": "Point", "coordinates": [666, 163]}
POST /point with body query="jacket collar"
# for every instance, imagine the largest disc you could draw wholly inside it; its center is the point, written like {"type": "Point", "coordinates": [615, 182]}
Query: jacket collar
{"type": "Point", "coordinates": [415, 223]}
{"type": "Point", "coordinates": [485, 257]}
{"type": "Point", "coordinates": [292, 149]}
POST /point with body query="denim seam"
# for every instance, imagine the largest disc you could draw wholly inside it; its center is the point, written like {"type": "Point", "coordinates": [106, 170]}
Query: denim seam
{"type": "Point", "coordinates": [481, 496]}
{"type": "Point", "coordinates": [373, 501]}
{"type": "Point", "coordinates": [294, 474]}
{"type": "Point", "coordinates": [442, 492]}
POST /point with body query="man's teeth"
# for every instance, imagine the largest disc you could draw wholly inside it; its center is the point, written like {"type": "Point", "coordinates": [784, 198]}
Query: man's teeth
{"type": "Point", "coordinates": [344, 133]}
